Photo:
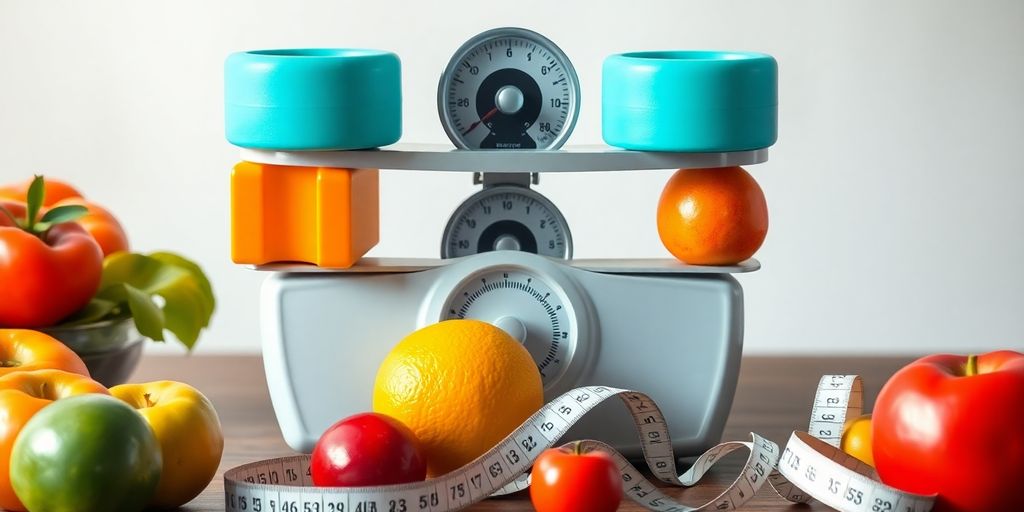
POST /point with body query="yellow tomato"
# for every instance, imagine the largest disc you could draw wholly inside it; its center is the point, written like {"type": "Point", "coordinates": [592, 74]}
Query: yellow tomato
{"type": "Point", "coordinates": [188, 430]}
{"type": "Point", "coordinates": [856, 439]}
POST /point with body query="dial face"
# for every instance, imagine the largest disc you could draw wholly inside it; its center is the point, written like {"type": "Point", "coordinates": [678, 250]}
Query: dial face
{"type": "Point", "coordinates": [509, 88]}
{"type": "Point", "coordinates": [507, 218]}
{"type": "Point", "coordinates": [529, 308]}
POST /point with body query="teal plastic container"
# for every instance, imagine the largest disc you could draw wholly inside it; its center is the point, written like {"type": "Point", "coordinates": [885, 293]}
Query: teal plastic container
{"type": "Point", "coordinates": [690, 101]}
{"type": "Point", "coordinates": [313, 99]}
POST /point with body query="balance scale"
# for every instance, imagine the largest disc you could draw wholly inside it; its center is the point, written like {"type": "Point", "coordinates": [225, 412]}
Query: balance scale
{"type": "Point", "coordinates": [661, 337]}
{"type": "Point", "coordinates": [508, 100]}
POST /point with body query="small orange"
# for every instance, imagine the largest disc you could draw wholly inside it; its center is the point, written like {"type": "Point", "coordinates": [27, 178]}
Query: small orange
{"type": "Point", "coordinates": [461, 386]}
{"type": "Point", "coordinates": [712, 216]}
{"type": "Point", "coordinates": [856, 439]}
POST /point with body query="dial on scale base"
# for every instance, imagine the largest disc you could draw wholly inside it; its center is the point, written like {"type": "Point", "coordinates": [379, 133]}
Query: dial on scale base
{"type": "Point", "coordinates": [525, 306]}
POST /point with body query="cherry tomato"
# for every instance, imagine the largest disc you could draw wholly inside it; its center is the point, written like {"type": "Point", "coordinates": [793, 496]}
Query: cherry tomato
{"type": "Point", "coordinates": [566, 480]}
{"type": "Point", "coordinates": [367, 449]}
{"type": "Point", "coordinates": [954, 425]}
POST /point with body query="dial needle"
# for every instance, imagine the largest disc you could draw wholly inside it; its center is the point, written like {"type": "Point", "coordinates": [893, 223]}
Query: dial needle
{"type": "Point", "coordinates": [482, 120]}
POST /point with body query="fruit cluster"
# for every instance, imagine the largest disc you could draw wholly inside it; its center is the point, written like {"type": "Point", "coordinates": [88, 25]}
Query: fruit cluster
{"type": "Point", "coordinates": [69, 443]}
{"type": "Point", "coordinates": [66, 259]}
{"type": "Point", "coordinates": [443, 396]}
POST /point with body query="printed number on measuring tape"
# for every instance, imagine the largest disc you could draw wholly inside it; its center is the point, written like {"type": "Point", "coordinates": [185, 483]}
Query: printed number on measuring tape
{"type": "Point", "coordinates": [810, 466]}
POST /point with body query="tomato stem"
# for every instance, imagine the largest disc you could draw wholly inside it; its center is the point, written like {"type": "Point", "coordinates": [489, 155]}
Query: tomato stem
{"type": "Point", "coordinates": [577, 448]}
{"type": "Point", "coordinates": [9, 363]}
{"type": "Point", "coordinates": [972, 366]}
{"type": "Point", "coordinates": [149, 402]}
{"type": "Point", "coordinates": [34, 202]}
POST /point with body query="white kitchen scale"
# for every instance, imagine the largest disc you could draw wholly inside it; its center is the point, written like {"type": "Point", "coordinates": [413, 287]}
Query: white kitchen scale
{"type": "Point", "coordinates": [671, 330]}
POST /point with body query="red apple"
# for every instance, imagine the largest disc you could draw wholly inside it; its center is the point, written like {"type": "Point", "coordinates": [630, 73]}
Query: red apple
{"type": "Point", "coordinates": [954, 426]}
{"type": "Point", "coordinates": [565, 480]}
{"type": "Point", "coordinates": [367, 449]}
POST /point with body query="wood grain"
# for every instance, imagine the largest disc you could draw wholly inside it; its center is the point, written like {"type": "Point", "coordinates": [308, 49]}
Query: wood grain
{"type": "Point", "coordinates": [773, 398]}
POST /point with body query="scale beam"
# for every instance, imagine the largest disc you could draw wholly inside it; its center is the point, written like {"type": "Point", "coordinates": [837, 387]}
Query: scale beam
{"type": "Point", "coordinates": [442, 157]}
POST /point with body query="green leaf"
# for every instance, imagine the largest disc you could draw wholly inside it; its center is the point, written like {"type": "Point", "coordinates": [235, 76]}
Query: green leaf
{"type": "Point", "coordinates": [66, 213]}
{"type": "Point", "coordinates": [197, 272]}
{"type": "Point", "coordinates": [34, 201]}
{"type": "Point", "coordinates": [94, 311]}
{"type": "Point", "coordinates": [149, 319]}
{"type": "Point", "coordinates": [188, 301]}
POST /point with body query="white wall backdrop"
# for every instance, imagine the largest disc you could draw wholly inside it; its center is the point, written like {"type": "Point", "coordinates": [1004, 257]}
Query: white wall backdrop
{"type": "Point", "coordinates": [897, 222]}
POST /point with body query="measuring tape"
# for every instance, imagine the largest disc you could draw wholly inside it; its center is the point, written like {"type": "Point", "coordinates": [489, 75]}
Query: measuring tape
{"type": "Point", "coordinates": [814, 464]}
{"type": "Point", "coordinates": [809, 466]}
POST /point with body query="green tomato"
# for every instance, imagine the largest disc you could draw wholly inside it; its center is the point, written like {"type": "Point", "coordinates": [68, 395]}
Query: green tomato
{"type": "Point", "coordinates": [86, 452]}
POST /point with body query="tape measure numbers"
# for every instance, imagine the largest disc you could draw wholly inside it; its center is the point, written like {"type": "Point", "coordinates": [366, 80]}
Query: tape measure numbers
{"type": "Point", "coordinates": [809, 466]}
{"type": "Point", "coordinates": [284, 485]}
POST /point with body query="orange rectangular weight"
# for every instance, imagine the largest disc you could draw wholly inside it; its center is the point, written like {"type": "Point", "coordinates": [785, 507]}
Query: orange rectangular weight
{"type": "Point", "coordinates": [320, 215]}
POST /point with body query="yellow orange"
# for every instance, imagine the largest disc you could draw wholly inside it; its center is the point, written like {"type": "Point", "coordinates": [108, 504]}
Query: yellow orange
{"type": "Point", "coordinates": [461, 386]}
{"type": "Point", "coordinates": [856, 439]}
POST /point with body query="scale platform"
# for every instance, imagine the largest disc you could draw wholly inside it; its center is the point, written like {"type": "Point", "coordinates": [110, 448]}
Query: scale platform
{"type": "Point", "coordinates": [443, 157]}
{"type": "Point", "coordinates": [602, 266]}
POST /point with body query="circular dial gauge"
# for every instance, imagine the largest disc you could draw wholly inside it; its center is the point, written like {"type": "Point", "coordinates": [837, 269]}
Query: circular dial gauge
{"type": "Point", "coordinates": [506, 217]}
{"type": "Point", "coordinates": [530, 309]}
{"type": "Point", "coordinates": [508, 88]}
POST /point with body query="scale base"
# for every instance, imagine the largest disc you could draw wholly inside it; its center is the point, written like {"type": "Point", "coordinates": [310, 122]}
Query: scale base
{"type": "Point", "coordinates": [676, 337]}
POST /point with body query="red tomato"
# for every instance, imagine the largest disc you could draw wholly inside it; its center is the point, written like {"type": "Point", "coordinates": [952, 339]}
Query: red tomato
{"type": "Point", "coordinates": [47, 277]}
{"type": "Point", "coordinates": [954, 425]}
{"type": "Point", "coordinates": [564, 480]}
{"type": "Point", "coordinates": [367, 449]}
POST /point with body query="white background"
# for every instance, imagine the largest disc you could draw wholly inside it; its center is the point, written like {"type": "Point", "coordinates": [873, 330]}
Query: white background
{"type": "Point", "coordinates": [897, 223]}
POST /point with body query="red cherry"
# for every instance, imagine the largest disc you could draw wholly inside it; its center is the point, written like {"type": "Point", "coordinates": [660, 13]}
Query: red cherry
{"type": "Point", "coordinates": [367, 449]}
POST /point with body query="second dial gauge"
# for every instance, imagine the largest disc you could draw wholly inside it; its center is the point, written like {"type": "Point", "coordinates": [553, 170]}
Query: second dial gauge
{"type": "Point", "coordinates": [507, 217]}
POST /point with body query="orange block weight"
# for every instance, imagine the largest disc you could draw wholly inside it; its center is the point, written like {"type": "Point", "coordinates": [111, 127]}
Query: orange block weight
{"type": "Point", "coordinates": [324, 216]}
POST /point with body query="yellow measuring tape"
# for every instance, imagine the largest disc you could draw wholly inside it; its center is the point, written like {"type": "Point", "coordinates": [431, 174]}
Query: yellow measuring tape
{"type": "Point", "coordinates": [809, 467]}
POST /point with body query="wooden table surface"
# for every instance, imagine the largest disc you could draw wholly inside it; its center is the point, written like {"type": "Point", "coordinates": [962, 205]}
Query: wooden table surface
{"type": "Point", "coordinates": [773, 398]}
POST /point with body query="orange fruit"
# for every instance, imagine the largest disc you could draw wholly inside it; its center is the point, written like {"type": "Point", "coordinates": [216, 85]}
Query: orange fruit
{"type": "Point", "coordinates": [101, 224]}
{"type": "Point", "coordinates": [461, 386]}
{"type": "Point", "coordinates": [56, 190]}
{"type": "Point", "coordinates": [712, 216]}
{"type": "Point", "coordinates": [856, 439]}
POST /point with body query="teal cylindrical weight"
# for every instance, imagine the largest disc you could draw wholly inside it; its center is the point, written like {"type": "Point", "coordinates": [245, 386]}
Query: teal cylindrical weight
{"type": "Point", "coordinates": [689, 101]}
{"type": "Point", "coordinates": [313, 99]}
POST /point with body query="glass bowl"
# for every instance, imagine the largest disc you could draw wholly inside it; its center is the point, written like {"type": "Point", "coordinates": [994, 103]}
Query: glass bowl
{"type": "Point", "coordinates": [111, 349]}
